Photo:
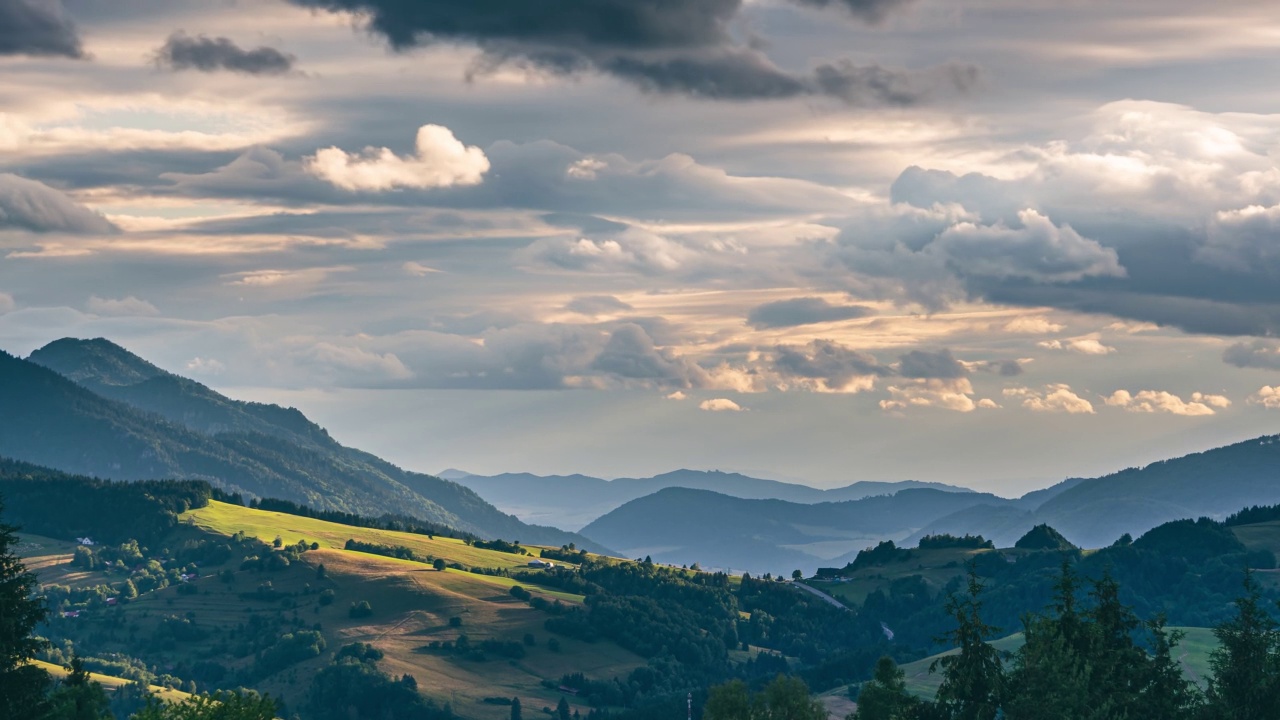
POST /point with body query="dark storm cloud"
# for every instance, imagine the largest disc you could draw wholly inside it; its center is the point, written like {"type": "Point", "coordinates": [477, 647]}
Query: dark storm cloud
{"type": "Point", "coordinates": [206, 54]}
{"type": "Point", "coordinates": [597, 305]}
{"type": "Point", "coordinates": [872, 11]}
{"type": "Point", "coordinates": [830, 362]}
{"type": "Point", "coordinates": [803, 311]}
{"type": "Point", "coordinates": [661, 46]}
{"type": "Point", "coordinates": [939, 365]}
{"type": "Point", "coordinates": [35, 27]}
{"type": "Point", "coordinates": [1257, 354]}
{"type": "Point", "coordinates": [36, 207]}
{"type": "Point", "coordinates": [631, 355]}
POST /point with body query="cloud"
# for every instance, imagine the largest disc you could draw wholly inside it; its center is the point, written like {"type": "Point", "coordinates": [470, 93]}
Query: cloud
{"type": "Point", "coordinates": [948, 394]}
{"type": "Point", "coordinates": [803, 311]}
{"type": "Point", "coordinates": [871, 11]}
{"type": "Point", "coordinates": [684, 47]}
{"type": "Point", "coordinates": [1037, 250]}
{"type": "Point", "coordinates": [1255, 354]}
{"type": "Point", "coordinates": [630, 354]}
{"type": "Point", "coordinates": [940, 364]}
{"type": "Point", "coordinates": [594, 305]}
{"type": "Point", "coordinates": [206, 54]}
{"type": "Point", "coordinates": [1055, 398]}
{"type": "Point", "coordinates": [124, 307]}
{"type": "Point", "coordinates": [30, 205]}
{"type": "Point", "coordinates": [633, 250]}
{"type": "Point", "coordinates": [417, 269]}
{"type": "Point", "coordinates": [1085, 345]}
{"type": "Point", "coordinates": [440, 161]}
{"type": "Point", "coordinates": [205, 366]}
{"type": "Point", "coordinates": [677, 395]}
{"type": "Point", "coordinates": [1151, 401]}
{"type": "Point", "coordinates": [37, 27]}
{"type": "Point", "coordinates": [1032, 325]}
{"type": "Point", "coordinates": [720, 405]}
{"type": "Point", "coordinates": [1268, 397]}
{"type": "Point", "coordinates": [826, 366]}
{"type": "Point", "coordinates": [7, 303]}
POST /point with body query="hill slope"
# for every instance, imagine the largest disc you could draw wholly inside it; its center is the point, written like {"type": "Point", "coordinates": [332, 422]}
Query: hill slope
{"type": "Point", "coordinates": [167, 426]}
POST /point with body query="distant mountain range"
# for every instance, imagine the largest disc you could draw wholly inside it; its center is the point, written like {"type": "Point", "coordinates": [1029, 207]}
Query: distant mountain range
{"type": "Point", "coordinates": [682, 526]}
{"type": "Point", "coordinates": [91, 407]}
{"type": "Point", "coordinates": [1095, 512]}
{"type": "Point", "coordinates": [573, 501]}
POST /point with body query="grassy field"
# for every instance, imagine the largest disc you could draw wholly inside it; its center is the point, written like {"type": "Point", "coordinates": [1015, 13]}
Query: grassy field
{"type": "Point", "coordinates": [937, 567]}
{"type": "Point", "coordinates": [111, 683]}
{"type": "Point", "coordinates": [228, 519]}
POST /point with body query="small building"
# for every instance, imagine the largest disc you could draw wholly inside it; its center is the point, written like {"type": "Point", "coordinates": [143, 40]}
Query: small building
{"type": "Point", "coordinates": [541, 564]}
{"type": "Point", "coordinates": [87, 542]}
{"type": "Point", "coordinates": [112, 601]}
{"type": "Point", "coordinates": [71, 614]}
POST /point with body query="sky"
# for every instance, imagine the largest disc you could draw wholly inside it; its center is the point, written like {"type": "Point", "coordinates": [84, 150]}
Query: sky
{"type": "Point", "coordinates": [993, 243]}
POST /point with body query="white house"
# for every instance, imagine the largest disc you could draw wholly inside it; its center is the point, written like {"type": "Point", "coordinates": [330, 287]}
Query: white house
{"type": "Point", "coordinates": [541, 564]}
{"type": "Point", "coordinates": [87, 542]}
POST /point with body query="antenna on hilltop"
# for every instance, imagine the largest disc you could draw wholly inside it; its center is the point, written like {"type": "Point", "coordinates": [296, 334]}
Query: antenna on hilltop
{"type": "Point", "coordinates": [690, 706]}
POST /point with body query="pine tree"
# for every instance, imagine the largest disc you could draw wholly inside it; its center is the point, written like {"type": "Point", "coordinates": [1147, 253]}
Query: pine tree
{"type": "Point", "coordinates": [515, 709]}
{"type": "Point", "coordinates": [562, 709]}
{"type": "Point", "coordinates": [885, 697]}
{"type": "Point", "coordinates": [973, 681]}
{"type": "Point", "coordinates": [22, 686]}
{"type": "Point", "coordinates": [1167, 695]}
{"type": "Point", "coordinates": [79, 697]}
{"type": "Point", "coordinates": [1244, 685]}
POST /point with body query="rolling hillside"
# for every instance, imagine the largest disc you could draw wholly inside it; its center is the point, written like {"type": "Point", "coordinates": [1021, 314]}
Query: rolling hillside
{"type": "Point", "coordinates": [573, 501]}
{"type": "Point", "coordinates": [147, 423]}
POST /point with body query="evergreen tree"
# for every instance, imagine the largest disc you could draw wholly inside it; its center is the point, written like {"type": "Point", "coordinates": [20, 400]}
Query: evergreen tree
{"type": "Point", "coordinates": [1168, 693]}
{"type": "Point", "coordinates": [79, 697]}
{"type": "Point", "coordinates": [885, 697]}
{"type": "Point", "coordinates": [1050, 678]}
{"type": "Point", "coordinates": [1245, 666]}
{"type": "Point", "coordinates": [730, 701]}
{"type": "Point", "coordinates": [515, 709]}
{"type": "Point", "coordinates": [22, 686]}
{"type": "Point", "coordinates": [562, 709]}
{"type": "Point", "coordinates": [973, 681]}
{"type": "Point", "coordinates": [219, 706]}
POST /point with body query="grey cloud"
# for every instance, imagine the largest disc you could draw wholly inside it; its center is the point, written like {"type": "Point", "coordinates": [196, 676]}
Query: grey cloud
{"type": "Point", "coordinates": [36, 207]}
{"type": "Point", "coordinates": [939, 364]}
{"type": "Point", "coordinates": [206, 54]}
{"type": "Point", "coordinates": [865, 85]}
{"type": "Point", "coordinates": [660, 46]}
{"type": "Point", "coordinates": [872, 11]}
{"type": "Point", "coordinates": [596, 305]}
{"type": "Point", "coordinates": [36, 27]}
{"type": "Point", "coordinates": [631, 355]}
{"type": "Point", "coordinates": [830, 362]}
{"type": "Point", "coordinates": [1256, 354]}
{"type": "Point", "coordinates": [1009, 368]}
{"type": "Point", "coordinates": [803, 311]}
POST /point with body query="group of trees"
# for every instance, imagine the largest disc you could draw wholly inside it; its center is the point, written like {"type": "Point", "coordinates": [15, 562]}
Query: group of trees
{"type": "Point", "coordinates": [1088, 658]}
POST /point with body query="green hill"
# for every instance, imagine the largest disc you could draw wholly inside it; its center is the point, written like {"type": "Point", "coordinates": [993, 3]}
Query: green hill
{"type": "Point", "coordinates": [147, 423]}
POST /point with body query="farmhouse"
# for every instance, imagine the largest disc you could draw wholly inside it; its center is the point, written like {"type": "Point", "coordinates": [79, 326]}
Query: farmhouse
{"type": "Point", "coordinates": [542, 564]}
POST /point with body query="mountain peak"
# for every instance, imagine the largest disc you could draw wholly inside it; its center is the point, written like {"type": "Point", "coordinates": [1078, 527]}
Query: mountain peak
{"type": "Point", "coordinates": [96, 361]}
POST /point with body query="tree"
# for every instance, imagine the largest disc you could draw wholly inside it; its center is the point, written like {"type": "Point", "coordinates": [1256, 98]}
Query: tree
{"type": "Point", "coordinates": [730, 701]}
{"type": "Point", "coordinates": [79, 697]}
{"type": "Point", "coordinates": [885, 697]}
{"type": "Point", "coordinates": [22, 686]}
{"type": "Point", "coordinates": [973, 682]}
{"type": "Point", "coordinates": [786, 698]}
{"type": "Point", "coordinates": [1244, 685]}
{"type": "Point", "coordinates": [562, 709]}
{"type": "Point", "coordinates": [797, 575]}
{"type": "Point", "coordinates": [515, 709]}
{"type": "Point", "coordinates": [439, 564]}
{"type": "Point", "coordinates": [320, 571]}
{"type": "Point", "coordinates": [219, 706]}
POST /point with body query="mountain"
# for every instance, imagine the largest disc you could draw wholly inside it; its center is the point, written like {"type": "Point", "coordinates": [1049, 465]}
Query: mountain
{"type": "Point", "coordinates": [572, 501]}
{"type": "Point", "coordinates": [1095, 512]}
{"type": "Point", "coordinates": [682, 526]}
{"type": "Point", "coordinates": [124, 418]}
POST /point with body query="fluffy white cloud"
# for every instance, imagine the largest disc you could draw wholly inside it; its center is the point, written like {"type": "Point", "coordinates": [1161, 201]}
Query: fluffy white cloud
{"type": "Point", "coordinates": [1053, 398]}
{"type": "Point", "coordinates": [1038, 250]}
{"type": "Point", "coordinates": [1086, 345]}
{"type": "Point", "coordinates": [441, 160]}
{"type": "Point", "coordinates": [720, 405]}
{"type": "Point", "coordinates": [205, 366]}
{"type": "Point", "coordinates": [677, 395]}
{"type": "Point", "coordinates": [1268, 397]}
{"type": "Point", "coordinates": [948, 394]}
{"type": "Point", "coordinates": [124, 307]}
{"type": "Point", "coordinates": [1151, 401]}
